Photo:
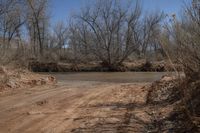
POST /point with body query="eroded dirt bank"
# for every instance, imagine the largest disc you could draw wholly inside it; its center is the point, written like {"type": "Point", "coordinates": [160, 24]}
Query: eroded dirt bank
{"type": "Point", "coordinates": [16, 79]}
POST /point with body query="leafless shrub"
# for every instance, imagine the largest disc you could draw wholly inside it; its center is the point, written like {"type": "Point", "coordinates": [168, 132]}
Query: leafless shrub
{"type": "Point", "coordinates": [181, 43]}
{"type": "Point", "coordinates": [184, 41]}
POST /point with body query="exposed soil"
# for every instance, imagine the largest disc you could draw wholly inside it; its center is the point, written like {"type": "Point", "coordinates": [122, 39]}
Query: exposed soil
{"type": "Point", "coordinates": [85, 107]}
{"type": "Point", "coordinates": [170, 113]}
{"type": "Point", "coordinates": [100, 107]}
{"type": "Point", "coordinates": [12, 78]}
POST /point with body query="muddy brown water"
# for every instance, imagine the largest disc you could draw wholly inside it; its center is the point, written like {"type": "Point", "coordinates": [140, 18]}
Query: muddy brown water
{"type": "Point", "coordinates": [112, 77]}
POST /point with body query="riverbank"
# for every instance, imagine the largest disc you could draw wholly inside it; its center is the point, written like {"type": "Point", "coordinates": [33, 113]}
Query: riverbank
{"type": "Point", "coordinates": [77, 105]}
{"type": "Point", "coordinates": [15, 79]}
{"type": "Point", "coordinates": [138, 66]}
{"type": "Point", "coordinates": [95, 107]}
{"type": "Point", "coordinates": [172, 111]}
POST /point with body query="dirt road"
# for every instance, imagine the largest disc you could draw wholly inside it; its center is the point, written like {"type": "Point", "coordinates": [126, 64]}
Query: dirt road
{"type": "Point", "coordinates": [75, 107]}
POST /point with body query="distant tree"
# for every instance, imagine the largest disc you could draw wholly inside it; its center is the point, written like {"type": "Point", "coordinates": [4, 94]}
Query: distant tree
{"type": "Point", "coordinates": [37, 23]}
{"type": "Point", "coordinates": [109, 30]}
{"type": "Point", "coordinates": [151, 28]}
{"type": "Point", "coordinates": [5, 6]}
{"type": "Point", "coordinates": [11, 21]}
{"type": "Point", "coordinates": [60, 31]}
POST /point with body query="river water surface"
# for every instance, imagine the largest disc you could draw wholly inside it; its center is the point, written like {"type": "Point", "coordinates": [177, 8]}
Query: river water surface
{"type": "Point", "coordinates": [113, 77]}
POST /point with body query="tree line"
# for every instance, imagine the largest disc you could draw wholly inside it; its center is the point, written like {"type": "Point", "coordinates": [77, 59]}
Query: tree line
{"type": "Point", "coordinates": [106, 31]}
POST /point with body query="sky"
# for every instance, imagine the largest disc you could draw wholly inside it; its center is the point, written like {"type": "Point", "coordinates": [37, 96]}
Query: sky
{"type": "Point", "coordinates": [62, 9]}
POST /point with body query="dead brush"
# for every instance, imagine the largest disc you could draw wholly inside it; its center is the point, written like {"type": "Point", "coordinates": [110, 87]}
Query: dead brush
{"type": "Point", "coordinates": [4, 78]}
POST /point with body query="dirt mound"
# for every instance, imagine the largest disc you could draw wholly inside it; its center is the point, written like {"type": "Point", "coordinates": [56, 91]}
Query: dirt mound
{"type": "Point", "coordinates": [164, 91]}
{"type": "Point", "coordinates": [168, 111]}
{"type": "Point", "coordinates": [192, 97]}
{"type": "Point", "coordinates": [17, 78]}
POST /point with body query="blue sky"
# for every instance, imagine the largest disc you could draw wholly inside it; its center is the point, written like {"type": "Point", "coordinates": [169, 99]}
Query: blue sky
{"type": "Point", "coordinates": [61, 9]}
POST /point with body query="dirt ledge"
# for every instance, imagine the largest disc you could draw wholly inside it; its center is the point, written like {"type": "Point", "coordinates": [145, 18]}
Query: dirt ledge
{"type": "Point", "coordinates": [169, 110]}
{"type": "Point", "coordinates": [12, 78]}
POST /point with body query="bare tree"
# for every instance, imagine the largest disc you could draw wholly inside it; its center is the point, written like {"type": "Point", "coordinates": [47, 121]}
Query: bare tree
{"type": "Point", "coordinates": [60, 33]}
{"type": "Point", "coordinates": [37, 23]}
{"type": "Point", "coordinates": [5, 6]}
{"type": "Point", "coordinates": [186, 34]}
{"type": "Point", "coordinates": [11, 22]}
{"type": "Point", "coordinates": [150, 31]}
{"type": "Point", "coordinates": [109, 30]}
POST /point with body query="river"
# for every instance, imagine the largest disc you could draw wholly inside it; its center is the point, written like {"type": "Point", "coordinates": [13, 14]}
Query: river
{"type": "Point", "coordinates": [112, 77]}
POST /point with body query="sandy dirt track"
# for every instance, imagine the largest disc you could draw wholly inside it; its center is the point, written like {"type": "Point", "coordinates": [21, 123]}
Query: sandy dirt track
{"type": "Point", "coordinates": [75, 107]}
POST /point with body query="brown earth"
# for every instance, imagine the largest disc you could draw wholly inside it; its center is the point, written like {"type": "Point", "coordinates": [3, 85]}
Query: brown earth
{"type": "Point", "coordinates": [12, 78]}
{"type": "Point", "coordinates": [87, 107]}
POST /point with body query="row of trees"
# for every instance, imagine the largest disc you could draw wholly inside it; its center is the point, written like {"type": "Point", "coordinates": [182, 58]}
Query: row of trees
{"type": "Point", "coordinates": [108, 31]}
{"type": "Point", "coordinates": [112, 32]}
{"type": "Point", "coordinates": [22, 21]}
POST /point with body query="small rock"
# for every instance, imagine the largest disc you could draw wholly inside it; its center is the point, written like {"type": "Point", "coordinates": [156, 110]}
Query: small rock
{"type": "Point", "coordinates": [40, 103]}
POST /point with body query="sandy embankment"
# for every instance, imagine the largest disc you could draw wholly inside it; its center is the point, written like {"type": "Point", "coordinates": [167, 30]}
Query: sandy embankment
{"type": "Point", "coordinates": [12, 79]}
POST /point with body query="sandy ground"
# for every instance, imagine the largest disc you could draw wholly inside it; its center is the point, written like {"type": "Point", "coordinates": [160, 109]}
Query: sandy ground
{"type": "Point", "coordinates": [75, 107]}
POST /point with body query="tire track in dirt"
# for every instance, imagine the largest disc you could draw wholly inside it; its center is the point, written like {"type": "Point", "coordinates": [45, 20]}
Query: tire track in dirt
{"type": "Point", "coordinates": [101, 107]}
{"type": "Point", "coordinates": [115, 114]}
